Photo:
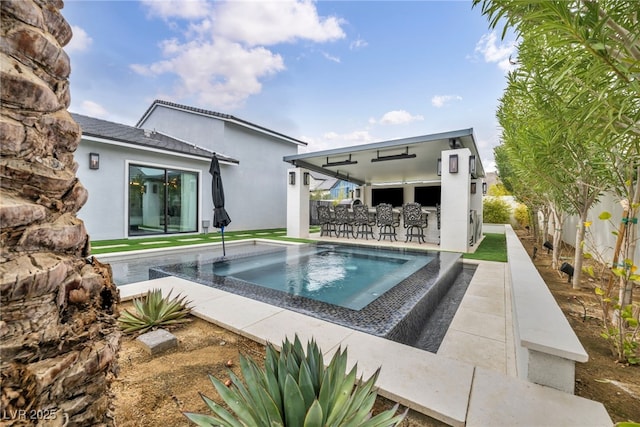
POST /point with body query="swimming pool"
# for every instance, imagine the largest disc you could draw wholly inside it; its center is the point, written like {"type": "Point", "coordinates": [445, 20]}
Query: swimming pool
{"type": "Point", "coordinates": [407, 291]}
{"type": "Point", "coordinates": [349, 277]}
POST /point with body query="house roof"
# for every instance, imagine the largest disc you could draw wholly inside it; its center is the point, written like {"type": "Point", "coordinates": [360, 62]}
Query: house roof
{"type": "Point", "coordinates": [224, 117]}
{"type": "Point", "coordinates": [104, 129]}
{"type": "Point", "coordinates": [412, 160]}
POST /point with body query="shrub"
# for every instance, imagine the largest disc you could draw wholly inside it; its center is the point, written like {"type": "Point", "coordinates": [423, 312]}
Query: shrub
{"type": "Point", "coordinates": [521, 214]}
{"type": "Point", "coordinates": [496, 211]}
{"type": "Point", "coordinates": [295, 389]}
{"type": "Point", "coordinates": [153, 310]}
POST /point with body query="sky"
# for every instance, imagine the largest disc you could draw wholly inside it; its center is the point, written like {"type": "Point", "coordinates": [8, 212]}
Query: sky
{"type": "Point", "coordinates": [330, 73]}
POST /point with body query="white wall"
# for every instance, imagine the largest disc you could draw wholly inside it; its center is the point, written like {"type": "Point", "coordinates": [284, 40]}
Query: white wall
{"type": "Point", "coordinates": [601, 237]}
{"type": "Point", "coordinates": [255, 190]}
{"type": "Point", "coordinates": [106, 212]}
{"type": "Point", "coordinates": [456, 203]}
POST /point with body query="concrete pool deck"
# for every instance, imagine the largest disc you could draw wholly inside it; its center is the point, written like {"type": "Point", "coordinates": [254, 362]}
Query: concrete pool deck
{"type": "Point", "coordinates": [470, 381]}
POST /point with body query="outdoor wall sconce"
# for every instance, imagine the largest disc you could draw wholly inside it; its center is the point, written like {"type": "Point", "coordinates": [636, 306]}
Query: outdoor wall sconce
{"type": "Point", "coordinates": [292, 178]}
{"type": "Point", "coordinates": [94, 161]}
{"type": "Point", "coordinates": [567, 269]}
{"type": "Point", "coordinates": [439, 167]}
{"type": "Point", "coordinates": [453, 163]}
{"type": "Point", "coordinates": [473, 188]}
{"type": "Point", "coordinates": [484, 188]}
{"type": "Point", "coordinates": [357, 193]}
{"type": "Point", "coordinates": [472, 166]}
{"type": "Point", "coordinates": [306, 178]}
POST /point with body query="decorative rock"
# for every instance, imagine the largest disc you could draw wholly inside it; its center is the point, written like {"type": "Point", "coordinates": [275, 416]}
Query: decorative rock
{"type": "Point", "coordinates": [158, 341]}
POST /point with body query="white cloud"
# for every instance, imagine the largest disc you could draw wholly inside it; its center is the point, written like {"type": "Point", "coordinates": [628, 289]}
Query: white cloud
{"type": "Point", "coordinates": [493, 52]}
{"type": "Point", "coordinates": [358, 44]}
{"type": "Point", "coordinates": [225, 55]}
{"type": "Point", "coordinates": [221, 73]}
{"type": "Point", "coordinates": [93, 109]}
{"type": "Point", "coordinates": [439, 101]}
{"type": "Point", "coordinates": [273, 22]}
{"type": "Point", "coordinates": [331, 57]}
{"type": "Point", "coordinates": [185, 9]}
{"type": "Point", "coordinates": [398, 117]}
{"type": "Point", "coordinates": [80, 41]}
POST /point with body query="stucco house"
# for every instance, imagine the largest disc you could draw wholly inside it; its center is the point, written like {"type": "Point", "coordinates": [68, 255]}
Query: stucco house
{"type": "Point", "coordinates": [153, 179]}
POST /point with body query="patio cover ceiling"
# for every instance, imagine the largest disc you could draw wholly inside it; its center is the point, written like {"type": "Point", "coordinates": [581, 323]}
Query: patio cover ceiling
{"type": "Point", "coordinates": [407, 160]}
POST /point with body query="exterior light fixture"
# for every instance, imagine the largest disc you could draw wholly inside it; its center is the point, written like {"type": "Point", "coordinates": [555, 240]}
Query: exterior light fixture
{"type": "Point", "coordinates": [306, 178]}
{"type": "Point", "coordinates": [472, 166]}
{"type": "Point", "coordinates": [94, 161]}
{"type": "Point", "coordinates": [473, 188]}
{"type": "Point", "coordinates": [292, 178]}
{"type": "Point", "coordinates": [439, 167]}
{"type": "Point", "coordinates": [453, 163]}
{"type": "Point", "coordinates": [357, 192]}
{"type": "Point", "coordinates": [400, 156]}
{"type": "Point", "coordinates": [547, 244]}
{"type": "Point", "coordinates": [345, 162]}
{"type": "Point", "coordinates": [484, 188]}
{"type": "Point", "coordinates": [567, 269]}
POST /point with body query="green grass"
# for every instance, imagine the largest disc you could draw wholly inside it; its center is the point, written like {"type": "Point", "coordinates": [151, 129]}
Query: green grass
{"type": "Point", "coordinates": [492, 248]}
{"type": "Point", "coordinates": [99, 247]}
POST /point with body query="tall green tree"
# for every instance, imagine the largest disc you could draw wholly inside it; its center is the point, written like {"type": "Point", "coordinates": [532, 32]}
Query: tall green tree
{"type": "Point", "coordinates": [578, 66]}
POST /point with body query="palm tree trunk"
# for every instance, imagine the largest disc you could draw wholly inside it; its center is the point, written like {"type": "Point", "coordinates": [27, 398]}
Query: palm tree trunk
{"type": "Point", "coordinates": [58, 333]}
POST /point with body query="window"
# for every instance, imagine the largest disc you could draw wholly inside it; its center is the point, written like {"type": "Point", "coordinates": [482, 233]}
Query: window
{"type": "Point", "coordinates": [162, 200]}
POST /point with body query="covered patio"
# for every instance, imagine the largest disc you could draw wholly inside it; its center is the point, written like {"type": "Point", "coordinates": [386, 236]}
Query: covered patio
{"type": "Point", "coordinates": [443, 172]}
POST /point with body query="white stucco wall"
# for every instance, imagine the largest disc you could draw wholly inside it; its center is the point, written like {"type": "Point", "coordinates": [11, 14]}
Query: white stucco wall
{"type": "Point", "coordinates": [456, 203]}
{"type": "Point", "coordinates": [106, 212]}
{"type": "Point", "coordinates": [255, 190]}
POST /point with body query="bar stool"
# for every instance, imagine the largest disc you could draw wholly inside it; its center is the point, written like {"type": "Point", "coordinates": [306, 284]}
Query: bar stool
{"type": "Point", "coordinates": [386, 222]}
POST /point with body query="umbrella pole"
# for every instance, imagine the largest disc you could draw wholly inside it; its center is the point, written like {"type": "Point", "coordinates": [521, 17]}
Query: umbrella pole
{"type": "Point", "coordinates": [224, 252]}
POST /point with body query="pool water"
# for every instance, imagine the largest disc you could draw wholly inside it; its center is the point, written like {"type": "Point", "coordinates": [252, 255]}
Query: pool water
{"type": "Point", "coordinates": [342, 276]}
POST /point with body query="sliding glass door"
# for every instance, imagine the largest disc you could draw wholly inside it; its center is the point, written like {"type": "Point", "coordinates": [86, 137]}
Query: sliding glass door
{"type": "Point", "coordinates": [162, 200]}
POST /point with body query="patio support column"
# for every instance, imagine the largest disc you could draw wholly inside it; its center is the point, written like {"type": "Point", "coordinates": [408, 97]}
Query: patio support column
{"type": "Point", "coordinates": [476, 205]}
{"type": "Point", "coordinates": [297, 204]}
{"type": "Point", "coordinates": [456, 202]}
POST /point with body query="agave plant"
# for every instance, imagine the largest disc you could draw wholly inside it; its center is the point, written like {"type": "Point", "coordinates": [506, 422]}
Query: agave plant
{"type": "Point", "coordinates": [153, 310]}
{"type": "Point", "coordinates": [295, 389]}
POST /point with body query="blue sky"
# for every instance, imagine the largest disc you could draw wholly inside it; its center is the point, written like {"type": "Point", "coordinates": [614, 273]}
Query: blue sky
{"type": "Point", "coordinates": [331, 73]}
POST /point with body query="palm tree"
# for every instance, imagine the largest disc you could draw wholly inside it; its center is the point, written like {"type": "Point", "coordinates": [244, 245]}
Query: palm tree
{"type": "Point", "coordinates": [58, 333]}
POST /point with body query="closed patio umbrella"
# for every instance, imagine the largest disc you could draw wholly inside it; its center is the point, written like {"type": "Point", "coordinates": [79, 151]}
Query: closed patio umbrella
{"type": "Point", "coordinates": [220, 217]}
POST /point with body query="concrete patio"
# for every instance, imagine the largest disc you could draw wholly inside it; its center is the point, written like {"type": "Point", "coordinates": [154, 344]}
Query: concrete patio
{"type": "Point", "coordinates": [470, 381]}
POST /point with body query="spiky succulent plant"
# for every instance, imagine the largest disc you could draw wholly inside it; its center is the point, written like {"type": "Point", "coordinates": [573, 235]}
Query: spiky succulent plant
{"type": "Point", "coordinates": [153, 310]}
{"type": "Point", "coordinates": [296, 389]}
